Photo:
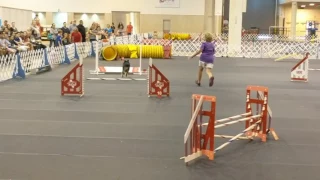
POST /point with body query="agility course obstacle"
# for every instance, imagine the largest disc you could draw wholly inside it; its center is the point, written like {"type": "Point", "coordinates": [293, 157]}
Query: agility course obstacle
{"type": "Point", "coordinates": [158, 84]}
{"type": "Point", "coordinates": [199, 137]}
{"type": "Point", "coordinates": [99, 70]}
{"type": "Point", "coordinates": [300, 71]}
{"type": "Point", "coordinates": [72, 84]}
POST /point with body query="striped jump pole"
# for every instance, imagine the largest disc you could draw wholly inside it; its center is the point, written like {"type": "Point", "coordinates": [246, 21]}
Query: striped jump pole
{"type": "Point", "coordinates": [237, 136]}
{"type": "Point", "coordinates": [234, 122]}
{"type": "Point", "coordinates": [230, 137]}
{"type": "Point", "coordinates": [233, 117]}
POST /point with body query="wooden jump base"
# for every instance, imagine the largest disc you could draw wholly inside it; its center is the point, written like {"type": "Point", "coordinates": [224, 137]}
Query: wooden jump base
{"type": "Point", "coordinates": [72, 84]}
{"type": "Point", "coordinates": [157, 84]}
{"type": "Point", "coordinates": [198, 143]}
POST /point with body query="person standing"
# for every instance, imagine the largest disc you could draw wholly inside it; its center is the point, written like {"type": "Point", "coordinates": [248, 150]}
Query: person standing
{"type": "Point", "coordinates": [82, 30]}
{"type": "Point", "coordinates": [76, 36]}
{"type": "Point", "coordinates": [129, 29]}
{"type": "Point", "coordinates": [120, 29]}
{"type": "Point", "coordinates": [53, 35]}
{"type": "Point", "coordinates": [65, 29]}
{"type": "Point", "coordinates": [113, 27]}
{"type": "Point", "coordinates": [73, 25]}
{"type": "Point", "coordinates": [108, 30]}
{"type": "Point", "coordinates": [93, 32]}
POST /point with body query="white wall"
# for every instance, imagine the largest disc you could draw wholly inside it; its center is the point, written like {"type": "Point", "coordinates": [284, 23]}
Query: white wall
{"type": "Point", "coordinates": [187, 7]}
{"type": "Point", "coordinates": [89, 18]}
{"type": "Point", "coordinates": [59, 19]}
{"type": "Point", "coordinates": [21, 17]}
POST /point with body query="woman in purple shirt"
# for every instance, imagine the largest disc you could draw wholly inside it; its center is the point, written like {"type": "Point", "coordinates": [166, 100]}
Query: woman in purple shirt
{"type": "Point", "coordinates": [207, 51]}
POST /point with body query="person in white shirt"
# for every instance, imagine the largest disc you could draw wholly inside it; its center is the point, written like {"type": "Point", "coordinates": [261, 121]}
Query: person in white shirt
{"type": "Point", "coordinates": [73, 26]}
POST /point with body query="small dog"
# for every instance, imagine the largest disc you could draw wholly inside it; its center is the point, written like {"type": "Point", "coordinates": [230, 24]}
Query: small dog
{"type": "Point", "coordinates": [125, 68]}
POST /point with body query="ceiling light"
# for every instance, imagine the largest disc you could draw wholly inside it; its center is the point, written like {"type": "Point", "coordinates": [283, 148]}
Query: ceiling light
{"type": "Point", "coordinates": [311, 4]}
{"type": "Point", "coordinates": [303, 6]}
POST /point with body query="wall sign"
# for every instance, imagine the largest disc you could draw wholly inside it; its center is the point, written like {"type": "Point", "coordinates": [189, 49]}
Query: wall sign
{"type": "Point", "coordinates": [167, 3]}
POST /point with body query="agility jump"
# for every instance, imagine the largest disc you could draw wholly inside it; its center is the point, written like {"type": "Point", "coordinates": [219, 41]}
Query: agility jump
{"type": "Point", "coordinates": [300, 72]}
{"type": "Point", "coordinates": [157, 84]}
{"type": "Point", "coordinates": [100, 70]}
{"type": "Point", "coordinates": [257, 125]}
{"type": "Point", "coordinates": [73, 82]}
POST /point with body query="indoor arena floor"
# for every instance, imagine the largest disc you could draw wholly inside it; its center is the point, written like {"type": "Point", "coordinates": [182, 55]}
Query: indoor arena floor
{"type": "Point", "coordinates": [115, 132]}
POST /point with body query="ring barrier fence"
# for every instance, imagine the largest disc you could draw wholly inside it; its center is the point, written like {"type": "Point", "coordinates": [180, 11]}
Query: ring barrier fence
{"type": "Point", "coordinates": [252, 46]}
{"type": "Point", "coordinates": [199, 134]}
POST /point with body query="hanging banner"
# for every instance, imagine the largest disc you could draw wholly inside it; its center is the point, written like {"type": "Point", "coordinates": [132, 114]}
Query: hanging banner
{"type": "Point", "coordinates": [167, 3]}
{"type": "Point", "coordinates": [218, 8]}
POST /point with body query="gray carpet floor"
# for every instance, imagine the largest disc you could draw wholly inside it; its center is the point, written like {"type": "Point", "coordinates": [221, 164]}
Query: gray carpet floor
{"type": "Point", "coordinates": [115, 132]}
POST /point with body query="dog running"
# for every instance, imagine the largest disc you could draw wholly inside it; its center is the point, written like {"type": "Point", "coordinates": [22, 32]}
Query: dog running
{"type": "Point", "coordinates": [125, 67]}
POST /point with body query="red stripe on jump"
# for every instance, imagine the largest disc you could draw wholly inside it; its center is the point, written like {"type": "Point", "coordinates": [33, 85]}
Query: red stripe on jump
{"type": "Point", "coordinates": [135, 69]}
{"type": "Point", "coordinates": [299, 79]}
{"type": "Point", "coordinates": [300, 62]}
{"type": "Point", "coordinates": [102, 69]}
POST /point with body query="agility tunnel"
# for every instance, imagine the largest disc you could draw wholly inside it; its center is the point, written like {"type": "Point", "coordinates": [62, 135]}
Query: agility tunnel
{"type": "Point", "coordinates": [132, 51]}
{"type": "Point", "coordinates": [177, 36]}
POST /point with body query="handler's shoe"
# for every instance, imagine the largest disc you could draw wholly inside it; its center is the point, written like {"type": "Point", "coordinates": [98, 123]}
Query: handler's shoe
{"type": "Point", "coordinates": [211, 81]}
{"type": "Point", "coordinates": [197, 83]}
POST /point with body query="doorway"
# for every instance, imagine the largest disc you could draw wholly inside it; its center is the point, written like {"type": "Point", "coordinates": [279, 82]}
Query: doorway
{"type": "Point", "coordinates": [166, 25]}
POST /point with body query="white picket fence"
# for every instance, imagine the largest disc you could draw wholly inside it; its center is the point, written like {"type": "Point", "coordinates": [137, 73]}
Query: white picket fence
{"type": "Point", "coordinates": [252, 46]}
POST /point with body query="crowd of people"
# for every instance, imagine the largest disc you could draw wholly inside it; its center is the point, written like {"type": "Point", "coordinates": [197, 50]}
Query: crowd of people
{"type": "Point", "coordinates": [13, 41]}
{"type": "Point", "coordinates": [77, 33]}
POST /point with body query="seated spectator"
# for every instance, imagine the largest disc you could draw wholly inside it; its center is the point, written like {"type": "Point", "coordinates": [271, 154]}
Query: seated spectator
{"type": "Point", "coordinates": [5, 44]}
{"type": "Point", "coordinates": [13, 28]}
{"type": "Point", "coordinates": [18, 41]}
{"type": "Point", "coordinates": [76, 36]}
{"type": "Point", "coordinates": [6, 31]}
{"type": "Point", "coordinates": [5, 25]}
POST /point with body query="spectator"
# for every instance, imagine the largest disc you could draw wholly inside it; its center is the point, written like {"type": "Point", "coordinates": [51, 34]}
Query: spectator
{"type": "Point", "coordinates": [5, 44]}
{"type": "Point", "coordinates": [6, 31]}
{"type": "Point", "coordinates": [73, 25]}
{"type": "Point", "coordinates": [58, 41]}
{"type": "Point", "coordinates": [35, 31]}
{"type": "Point", "coordinates": [65, 39]}
{"type": "Point", "coordinates": [108, 30]}
{"type": "Point", "coordinates": [76, 36]}
{"type": "Point", "coordinates": [5, 25]}
{"type": "Point", "coordinates": [13, 28]}
{"type": "Point", "coordinates": [36, 18]}
{"type": "Point", "coordinates": [129, 29]}
{"type": "Point", "coordinates": [17, 39]}
{"type": "Point", "coordinates": [120, 29]}
{"type": "Point", "coordinates": [53, 35]}
{"type": "Point", "coordinates": [82, 30]}
{"type": "Point", "coordinates": [93, 32]}
{"type": "Point", "coordinates": [113, 27]}
{"type": "Point", "coordinates": [65, 29]}
{"type": "Point", "coordinates": [39, 26]}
